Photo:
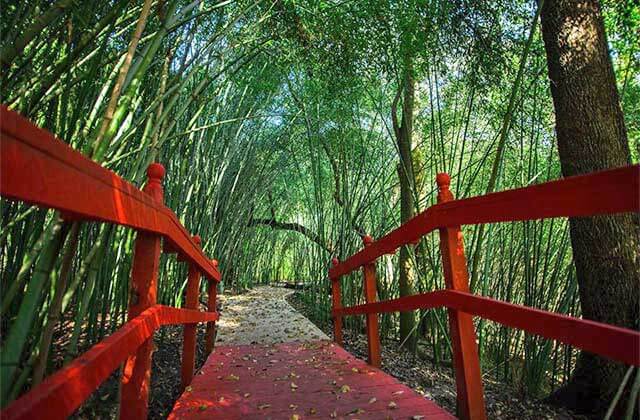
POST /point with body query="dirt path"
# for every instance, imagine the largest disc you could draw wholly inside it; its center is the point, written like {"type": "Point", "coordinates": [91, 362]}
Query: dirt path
{"type": "Point", "coordinates": [263, 316]}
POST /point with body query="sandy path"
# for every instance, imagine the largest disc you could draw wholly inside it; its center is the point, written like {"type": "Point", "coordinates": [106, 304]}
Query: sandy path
{"type": "Point", "coordinates": [263, 316]}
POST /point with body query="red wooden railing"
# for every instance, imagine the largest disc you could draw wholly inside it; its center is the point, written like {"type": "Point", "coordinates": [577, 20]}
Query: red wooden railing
{"type": "Point", "coordinates": [607, 192]}
{"type": "Point", "coordinates": [39, 169]}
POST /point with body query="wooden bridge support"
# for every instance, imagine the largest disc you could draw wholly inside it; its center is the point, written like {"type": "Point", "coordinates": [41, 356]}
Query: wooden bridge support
{"type": "Point", "coordinates": [336, 304]}
{"type": "Point", "coordinates": [463, 337]}
{"type": "Point", "coordinates": [212, 293]}
{"type": "Point", "coordinates": [136, 376]}
{"type": "Point", "coordinates": [189, 334]}
{"type": "Point", "coordinates": [370, 295]}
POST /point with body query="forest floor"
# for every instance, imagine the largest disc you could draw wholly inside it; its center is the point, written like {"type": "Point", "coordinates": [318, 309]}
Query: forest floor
{"type": "Point", "coordinates": [438, 382]}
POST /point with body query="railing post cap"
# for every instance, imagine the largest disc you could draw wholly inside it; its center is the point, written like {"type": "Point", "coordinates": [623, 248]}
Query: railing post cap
{"type": "Point", "coordinates": [443, 180]}
{"type": "Point", "coordinates": [367, 240]}
{"type": "Point", "coordinates": [156, 171]}
{"type": "Point", "coordinates": [215, 263]}
{"type": "Point", "coordinates": [335, 261]}
{"type": "Point", "coordinates": [197, 239]}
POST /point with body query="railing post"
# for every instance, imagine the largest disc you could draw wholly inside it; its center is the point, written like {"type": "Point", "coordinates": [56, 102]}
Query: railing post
{"type": "Point", "coordinates": [211, 307]}
{"type": "Point", "coordinates": [463, 337]}
{"type": "Point", "coordinates": [189, 334]}
{"type": "Point", "coordinates": [370, 295]}
{"type": "Point", "coordinates": [136, 376]}
{"type": "Point", "coordinates": [336, 304]}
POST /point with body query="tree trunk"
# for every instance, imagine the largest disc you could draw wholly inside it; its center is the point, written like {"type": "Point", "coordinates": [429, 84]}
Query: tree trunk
{"type": "Point", "coordinates": [592, 137]}
{"type": "Point", "coordinates": [403, 134]}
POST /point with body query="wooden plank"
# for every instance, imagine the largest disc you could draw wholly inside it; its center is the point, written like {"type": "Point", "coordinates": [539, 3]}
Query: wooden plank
{"type": "Point", "coordinates": [371, 295]}
{"type": "Point", "coordinates": [607, 192]}
{"type": "Point", "coordinates": [466, 362]}
{"type": "Point", "coordinates": [336, 302]}
{"type": "Point", "coordinates": [212, 293]}
{"type": "Point", "coordinates": [136, 375]}
{"type": "Point", "coordinates": [37, 168]}
{"type": "Point", "coordinates": [256, 382]}
{"type": "Point", "coordinates": [189, 333]}
{"type": "Point", "coordinates": [617, 343]}
{"type": "Point", "coordinates": [60, 394]}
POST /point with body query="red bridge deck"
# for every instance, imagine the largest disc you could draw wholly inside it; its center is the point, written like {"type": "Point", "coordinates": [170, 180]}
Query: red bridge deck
{"type": "Point", "coordinates": [311, 380]}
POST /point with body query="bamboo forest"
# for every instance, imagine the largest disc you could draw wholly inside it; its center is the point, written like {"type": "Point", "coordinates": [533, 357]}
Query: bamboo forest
{"type": "Point", "coordinates": [312, 145]}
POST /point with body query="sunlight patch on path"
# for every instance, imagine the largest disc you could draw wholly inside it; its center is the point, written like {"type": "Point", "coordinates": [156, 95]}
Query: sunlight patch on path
{"type": "Point", "coordinates": [263, 316]}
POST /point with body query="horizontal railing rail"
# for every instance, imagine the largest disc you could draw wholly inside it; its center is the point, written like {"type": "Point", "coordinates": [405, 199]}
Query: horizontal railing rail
{"type": "Point", "coordinates": [60, 394]}
{"type": "Point", "coordinates": [608, 192]}
{"type": "Point", "coordinates": [37, 168]}
{"type": "Point", "coordinates": [617, 343]}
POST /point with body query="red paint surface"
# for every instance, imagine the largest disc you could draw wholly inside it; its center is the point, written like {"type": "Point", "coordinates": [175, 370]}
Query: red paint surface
{"type": "Point", "coordinates": [370, 296]}
{"type": "Point", "coordinates": [466, 363]}
{"type": "Point", "coordinates": [617, 343]}
{"type": "Point", "coordinates": [136, 375]}
{"type": "Point", "coordinates": [606, 192]}
{"type": "Point", "coordinates": [267, 372]}
{"type": "Point", "coordinates": [336, 302]}
{"type": "Point", "coordinates": [37, 168]}
{"type": "Point", "coordinates": [373, 336]}
{"type": "Point", "coordinates": [212, 293]}
{"type": "Point", "coordinates": [189, 335]}
{"type": "Point", "coordinates": [61, 393]}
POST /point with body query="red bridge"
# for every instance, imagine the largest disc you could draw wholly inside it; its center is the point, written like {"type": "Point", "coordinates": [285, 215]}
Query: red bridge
{"type": "Point", "coordinates": [311, 378]}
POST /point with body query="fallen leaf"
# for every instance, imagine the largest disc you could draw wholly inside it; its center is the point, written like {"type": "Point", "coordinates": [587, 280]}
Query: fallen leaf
{"type": "Point", "coordinates": [247, 395]}
{"type": "Point", "coordinates": [312, 411]}
{"type": "Point", "coordinates": [294, 417]}
{"type": "Point", "coordinates": [392, 405]}
{"type": "Point", "coordinates": [355, 370]}
{"type": "Point", "coordinates": [232, 377]}
{"type": "Point", "coordinates": [202, 407]}
{"type": "Point", "coordinates": [397, 393]}
{"type": "Point", "coordinates": [355, 411]}
{"type": "Point", "coordinates": [263, 406]}
{"type": "Point", "coordinates": [372, 400]}
{"type": "Point", "coordinates": [188, 389]}
{"type": "Point", "coordinates": [294, 386]}
{"type": "Point", "coordinates": [334, 414]}
{"type": "Point", "coordinates": [293, 406]}
{"type": "Point", "coordinates": [345, 388]}
{"type": "Point", "coordinates": [417, 417]}
{"type": "Point", "coordinates": [221, 399]}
